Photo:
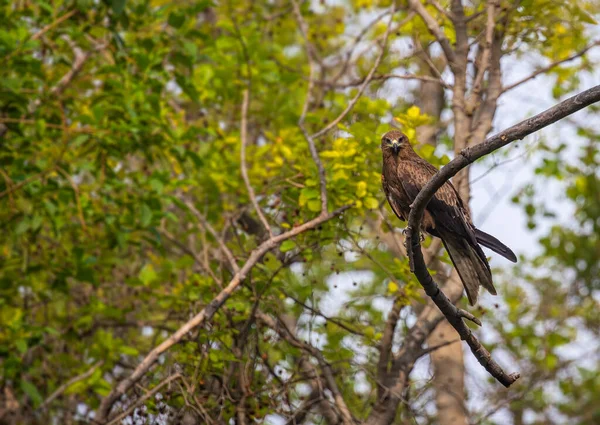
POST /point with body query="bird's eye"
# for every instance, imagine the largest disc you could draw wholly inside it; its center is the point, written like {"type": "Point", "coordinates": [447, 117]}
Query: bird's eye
{"type": "Point", "coordinates": [386, 140]}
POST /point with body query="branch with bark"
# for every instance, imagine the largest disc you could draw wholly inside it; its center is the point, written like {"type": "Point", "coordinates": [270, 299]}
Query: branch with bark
{"type": "Point", "coordinates": [244, 166]}
{"type": "Point", "coordinates": [285, 333]}
{"type": "Point", "coordinates": [207, 313]}
{"type": "Point", "coordinates": [467, 156]}
{"type": "Point", "coordinates": [58, 392]}
{"type": "Point", "coordinates": [551, 66]}
{"type": "Point", "coordinates": [394, 370]}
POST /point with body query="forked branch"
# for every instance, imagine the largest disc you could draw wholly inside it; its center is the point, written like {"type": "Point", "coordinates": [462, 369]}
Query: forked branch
{"type": "Point", "coordinates": [206, 314]}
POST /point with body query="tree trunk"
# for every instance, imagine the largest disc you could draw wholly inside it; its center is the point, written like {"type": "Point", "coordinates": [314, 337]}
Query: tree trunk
{"type": "Point", "coordinates": [449, 370]}
{"type": "Point", "coordinates": [447, 361]}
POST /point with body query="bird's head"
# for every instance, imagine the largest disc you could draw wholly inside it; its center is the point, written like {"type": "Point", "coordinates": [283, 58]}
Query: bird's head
{"type": "Point", "coordinates": [393, 141]}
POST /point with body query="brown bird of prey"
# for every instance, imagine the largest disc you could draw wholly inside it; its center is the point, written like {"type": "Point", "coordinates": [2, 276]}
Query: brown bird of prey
{"type": "Point", "coordinates": [404, 175]}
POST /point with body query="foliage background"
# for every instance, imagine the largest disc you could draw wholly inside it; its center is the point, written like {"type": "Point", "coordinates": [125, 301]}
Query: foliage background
{"type": "Point", "coordinates": [116, 116]}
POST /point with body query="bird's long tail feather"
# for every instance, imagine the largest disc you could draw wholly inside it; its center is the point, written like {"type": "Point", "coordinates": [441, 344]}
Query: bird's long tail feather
{"type": "Point", "coordinates": [495, 245]}
{"type": "Point", "coordinates": [471, 267]}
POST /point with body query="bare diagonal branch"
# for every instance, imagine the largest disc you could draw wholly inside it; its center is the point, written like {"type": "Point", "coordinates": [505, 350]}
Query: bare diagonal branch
{"type": "Point", "coordinates": [213, 232]}
{"type": "Point", "coordinates": [70, 382]}
{"type": "Point", "coordinates": [145, 397]}
{"type": "Point", "coordinates": [207, 313]}
{"type": "Point", "coordinates": [551, 66]}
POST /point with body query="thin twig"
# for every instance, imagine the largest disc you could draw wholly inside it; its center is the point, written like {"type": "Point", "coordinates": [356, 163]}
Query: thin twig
{"type": "Point", "coordinates": [51, 25]}
{"type": "Point", "coordinates": [440, 9]}
{"type": "Point", "coordinates": [475, 97]}
{"type": "Point", "coordinates": [311, 84]}
{"type": "Point", "coordinates": [70, 382]}
{"type": "Point", "coordinates": [28, 180]}
{"type": "Point", "coordinates": [362, 88]}
{"type": "Point", "coordinates": [318, 313]}
{"type": "Point", "coordinates": [142, 399]}
{"type": "Point", "coordinates": [550, 66]}
{"type": "Point", "coordinates": [207, 313]}
{"type": "Point", "coordinates": [284, 332]}
{"type": "Point", "coordinates": [244, 166]}
{"type": "Point", "coordinates": [213, 232]}
{"type": "Point", "coordinates": [434, 29]}
{"type": "Point", "coordinates": [77, 197]}
{"type": "Point", "coordinates": [385, 77]}
{"type": "Point", "coordinates": [40, 33]}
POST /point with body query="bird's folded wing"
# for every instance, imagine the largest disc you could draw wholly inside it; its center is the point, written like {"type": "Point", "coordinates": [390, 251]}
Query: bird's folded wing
{"type": "Point", "coordinates": [445, 206]}
{"type": "Point", "coordinates": [392, 198]}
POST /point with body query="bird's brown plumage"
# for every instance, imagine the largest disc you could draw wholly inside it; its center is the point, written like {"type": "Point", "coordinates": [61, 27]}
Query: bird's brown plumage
{"type": "Point", "coordinates": [404, 175]}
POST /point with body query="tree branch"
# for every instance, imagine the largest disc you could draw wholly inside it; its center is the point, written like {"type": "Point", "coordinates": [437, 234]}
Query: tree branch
{"type": "Point", "coordinates": [207, 313]}
{"type": "Point", "coordinates": [51, 25]}
{"type": "Point", "coordinates": [475, 96]}
{"type": "Point", "coordinates": [70, 382]}
{"type": "Point", "coordinates": [213, 232]}
{"type": "Point", "coordinates": [434, 29]}
{"type": "Point", "coordinates": [311, 84]}
{"type": "Point", "coordinates": [385, 77]}
{"type": "Point", "coordinates": [387, 339]}
{"type": "Point", "coordinates": [466, 157]}
{"type": "Point", "coordinates": [244, 166]}
{"type": "Point", "coordinates": [284, 332]}
{"type": "Point", "coordinates": [80, 57]}
{"type": "Point", "coordinates": [392, 384]}
{"type": "Point", "coordinates": [145, 397]}
{"type": "Point", "coordinates": [550, 66]}
{"type": "Point", "coordinates": [362, 88]}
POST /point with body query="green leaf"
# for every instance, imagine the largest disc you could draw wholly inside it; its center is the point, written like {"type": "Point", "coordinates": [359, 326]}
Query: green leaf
{"type": "Point", "coordinates": [371, 203]}
{"type": "Point", "coordinates": [129, 351]}
{"type": "Point", "coordinates": [79, 140]}
{"type": "Point", "coordinates": [314, 205]}
{"type": "Point", "coordinates": [118, 6]}
{"type": "Point", "coordinates": [287, 246]}
{"type": "Point", "coordinates": [32, 392]}
{"type": "Point", "coordinates": [145, 215]}
{"type": "Point", "coordinates": [176, 20]}
{"type": "Point", "coordinates": [147, 274]}
{"type": "Point", "coordinates": [21, 345]}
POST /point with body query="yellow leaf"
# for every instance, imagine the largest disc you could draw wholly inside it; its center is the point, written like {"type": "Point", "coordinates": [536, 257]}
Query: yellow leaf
{"type": "Point", "coordinates": [330, 154]}
{"type": "Point", "coordinates": [350, 152]}
{"type": "Point", "coordinates": [413, 112]}
{"type": "Point", "coordinates": [286, 151]}
{"type": "Point", "coordinates": [393, 287]}
{"type": "Point", "coordinates": [340, 175]}
{"type": "Point", "coordinates": [314, 205]}
{"type": "Point", "coordinates": [361, 189]}
{"type": "Point", "coordinates": [371, 203]}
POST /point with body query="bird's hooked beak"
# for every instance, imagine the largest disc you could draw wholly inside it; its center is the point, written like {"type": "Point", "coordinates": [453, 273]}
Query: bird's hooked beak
{"type": "Point", "coordinates": [395, 145]}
